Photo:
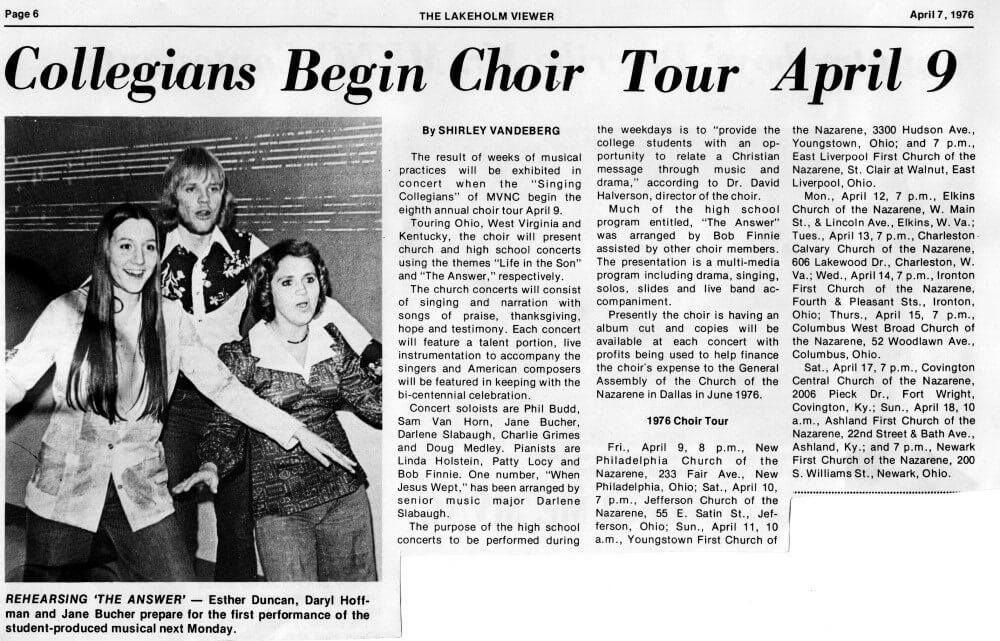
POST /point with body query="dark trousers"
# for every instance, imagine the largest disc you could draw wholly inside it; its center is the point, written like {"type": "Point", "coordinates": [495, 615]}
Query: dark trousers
{"type": "Point", "coordinates": [188, 419]}
{"type": "Point", "coordinates": [59, 552]}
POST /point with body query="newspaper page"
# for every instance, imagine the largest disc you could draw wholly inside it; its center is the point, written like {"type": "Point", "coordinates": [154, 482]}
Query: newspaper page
{"type": "Point", "coordinates": [628, 282]}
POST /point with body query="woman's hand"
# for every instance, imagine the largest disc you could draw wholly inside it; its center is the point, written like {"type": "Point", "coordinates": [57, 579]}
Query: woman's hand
{"type": "Point", "coordinates": [322, 450]}
{"type": "Point", "coordinates": [208, 474]}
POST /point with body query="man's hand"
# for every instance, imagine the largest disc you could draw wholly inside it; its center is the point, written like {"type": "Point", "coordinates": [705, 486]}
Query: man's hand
{"type": "Point", "coordinates": [208, 474]}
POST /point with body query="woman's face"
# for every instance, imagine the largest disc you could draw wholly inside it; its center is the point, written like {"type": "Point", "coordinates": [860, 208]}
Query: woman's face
{"type": "Point", "coordinates": [295, 290]}
{"type": "Point", "coordinates": [132, 254]}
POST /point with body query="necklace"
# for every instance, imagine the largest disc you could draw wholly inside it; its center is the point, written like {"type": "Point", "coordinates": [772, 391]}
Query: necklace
{"type": "Point", "coordinates": [301, 340]}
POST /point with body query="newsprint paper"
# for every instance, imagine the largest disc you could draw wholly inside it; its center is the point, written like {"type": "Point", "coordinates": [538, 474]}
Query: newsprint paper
{"type": "Point", "coordinates": [574, 301]}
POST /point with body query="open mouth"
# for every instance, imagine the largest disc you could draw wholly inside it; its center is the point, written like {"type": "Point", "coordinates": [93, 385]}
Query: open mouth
{"type": "Point", "coordinates": [302, 306]}
{"type": "Point", "coordinates": [136, 273]}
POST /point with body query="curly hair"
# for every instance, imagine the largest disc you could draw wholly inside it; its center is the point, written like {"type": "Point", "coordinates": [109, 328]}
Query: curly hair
{"type": "Point", "coordinates": [263, 268]}
{"type": "Point", "coordinates": [198, 161]}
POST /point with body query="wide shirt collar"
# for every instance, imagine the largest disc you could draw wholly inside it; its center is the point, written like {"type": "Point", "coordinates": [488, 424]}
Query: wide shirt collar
{"type": "Point", "coordinates": [176, 239]}
{"type": "Point", "coordinates": [270, 351]}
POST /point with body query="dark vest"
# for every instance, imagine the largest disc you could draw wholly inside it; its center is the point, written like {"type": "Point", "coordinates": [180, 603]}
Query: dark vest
{"type": "Point", "coordinates": [225, 273]}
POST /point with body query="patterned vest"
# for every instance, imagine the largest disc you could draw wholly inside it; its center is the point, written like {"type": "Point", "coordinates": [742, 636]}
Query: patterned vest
{"type": "Point", "coordinates": [225, 273]}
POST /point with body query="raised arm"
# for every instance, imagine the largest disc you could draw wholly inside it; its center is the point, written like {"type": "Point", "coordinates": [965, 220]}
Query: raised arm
{"type": "Point", "coordinates": [26, 362]}
{"type": "Point", "coordinates": [223, 388]}
{"type": "Point", "coordinates": [353, 332]}
{"type": "Point", "coordinates": [357, 387]}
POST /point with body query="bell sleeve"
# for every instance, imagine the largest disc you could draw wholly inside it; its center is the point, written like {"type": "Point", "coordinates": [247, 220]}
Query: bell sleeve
{"type": "Point", "coordinates": [29, 360]}
{"type": "Point", "coordinates": [221, 386]}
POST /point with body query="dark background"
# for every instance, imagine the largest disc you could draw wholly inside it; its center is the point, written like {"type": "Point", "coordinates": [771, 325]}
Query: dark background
{"type": "Point", "coordinates": [311, 178]}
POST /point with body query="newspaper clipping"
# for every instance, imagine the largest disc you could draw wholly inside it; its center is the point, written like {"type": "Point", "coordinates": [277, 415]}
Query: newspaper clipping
{"type": "Point", "coordinates": [530, 295]}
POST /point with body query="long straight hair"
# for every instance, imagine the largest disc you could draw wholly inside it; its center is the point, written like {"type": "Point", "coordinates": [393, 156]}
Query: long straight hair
{"type": "Point", "coordinates": [93, 373]}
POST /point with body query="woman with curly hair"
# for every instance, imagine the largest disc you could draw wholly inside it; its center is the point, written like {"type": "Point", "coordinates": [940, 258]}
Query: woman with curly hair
{"type": "Point", "coordinates": [312, 523]}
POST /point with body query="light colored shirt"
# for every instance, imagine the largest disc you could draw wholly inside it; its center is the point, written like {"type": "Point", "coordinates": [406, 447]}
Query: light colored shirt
{"type": "Point", "coordinates": [353, 332]}
{"type": "Point", "coordinates": [220, 325]}
{"type": "Point", "coordinates": [81, 451]}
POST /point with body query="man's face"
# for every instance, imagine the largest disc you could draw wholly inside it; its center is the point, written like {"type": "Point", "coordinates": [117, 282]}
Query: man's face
{"type": "Point", "coordinates": [199, 201]}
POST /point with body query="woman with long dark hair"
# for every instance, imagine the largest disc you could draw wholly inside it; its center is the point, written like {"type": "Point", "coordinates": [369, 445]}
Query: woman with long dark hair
{"type": "Point", "coordinates": [117, 349]}
{"type": "Point", "coordinates": [312, 523]}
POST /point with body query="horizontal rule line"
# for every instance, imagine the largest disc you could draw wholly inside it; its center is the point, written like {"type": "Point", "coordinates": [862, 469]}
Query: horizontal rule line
{"type": "Point", "coordinates": [477, 26]}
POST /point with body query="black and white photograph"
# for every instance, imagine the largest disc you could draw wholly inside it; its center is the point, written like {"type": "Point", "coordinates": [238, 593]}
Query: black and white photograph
{"type": "Point", "coordinates": [193, 366]}
{"type": "Point", "coordinates": [368, 320]}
